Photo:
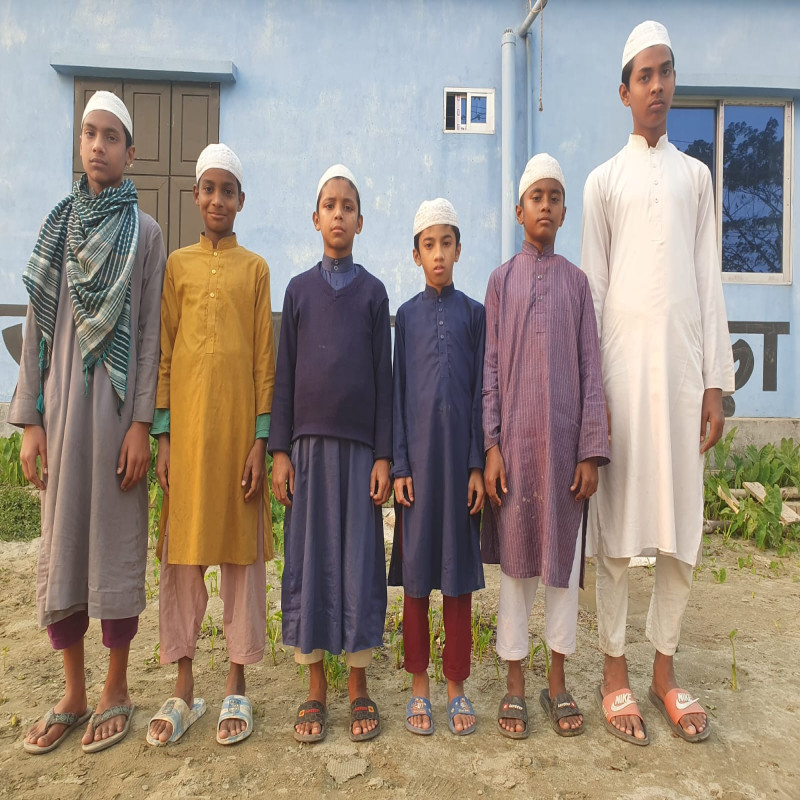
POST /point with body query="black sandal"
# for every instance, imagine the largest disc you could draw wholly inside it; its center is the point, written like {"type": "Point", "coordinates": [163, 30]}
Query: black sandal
{"type": "Point", "coordinates": [311, 711]}
{"type": "Point", "coordinates": [512, 706]}
{"type": "Point", "coordinates": [360, 709]}
{"type": "Point", "coordinates": [561, 706]}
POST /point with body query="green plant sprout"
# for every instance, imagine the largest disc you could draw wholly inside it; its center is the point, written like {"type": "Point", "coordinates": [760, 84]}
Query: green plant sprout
{"type": "Point", "coordinates": [734, 682]}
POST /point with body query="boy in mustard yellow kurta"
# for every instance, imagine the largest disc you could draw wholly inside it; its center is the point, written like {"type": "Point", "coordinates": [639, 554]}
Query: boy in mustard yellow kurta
{"type": "Point", "coordinates": [215, 385]}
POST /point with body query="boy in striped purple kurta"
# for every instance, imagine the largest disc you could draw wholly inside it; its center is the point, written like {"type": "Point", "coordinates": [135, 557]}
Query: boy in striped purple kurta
{"type": "Point", "coordinates": [546, 433]}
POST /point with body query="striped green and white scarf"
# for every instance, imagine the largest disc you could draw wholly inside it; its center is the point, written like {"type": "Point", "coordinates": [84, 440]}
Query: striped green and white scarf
{"type": "Point", "coordinates": [100, 234]}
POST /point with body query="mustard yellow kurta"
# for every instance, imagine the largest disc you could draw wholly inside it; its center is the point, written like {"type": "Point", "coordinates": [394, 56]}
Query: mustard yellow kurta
{"type": "Point", "coordinates": [216, 374]}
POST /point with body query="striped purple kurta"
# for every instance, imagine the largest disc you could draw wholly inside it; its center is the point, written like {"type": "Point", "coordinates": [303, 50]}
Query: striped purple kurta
{"type": "Point", "coordinates": [543, 403]}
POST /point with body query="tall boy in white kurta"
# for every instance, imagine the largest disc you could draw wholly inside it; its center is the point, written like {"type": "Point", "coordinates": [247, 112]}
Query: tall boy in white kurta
{"type": "Point", "coordinates": [650, 253]}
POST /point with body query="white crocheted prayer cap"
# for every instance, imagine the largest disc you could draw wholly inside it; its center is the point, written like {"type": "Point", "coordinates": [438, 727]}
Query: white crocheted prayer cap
{"type": "Point", "coordinates": [337, 171]}
{"type": "Point", "coordinates": [218, 156]}
{"type": "Point", "coordinates": [108, 101]}
{"type": "Point", "coordinates": [645, 34]}
{"type": "Point", "coordinates": [539, 167]}
{"type": "Point", "coordinates": [435, 212]}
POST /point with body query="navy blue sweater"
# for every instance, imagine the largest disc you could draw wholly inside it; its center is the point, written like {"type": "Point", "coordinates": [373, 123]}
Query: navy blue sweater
{"type": "Point", "coordinates": [334, 373]}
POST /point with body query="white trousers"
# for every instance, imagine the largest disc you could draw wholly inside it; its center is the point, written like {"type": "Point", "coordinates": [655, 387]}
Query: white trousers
{"type": "Point", "coordinates": [560, 613]}
{"type": "Point", "coordinates": [667, 603]}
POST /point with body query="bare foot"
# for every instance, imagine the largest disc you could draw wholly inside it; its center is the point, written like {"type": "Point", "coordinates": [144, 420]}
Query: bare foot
{"type": "Point", "coordinates": [557, 685]}
{"type": "Point", "coordinates": [357, 687]}
{"type": "Point", "coordinates": [184, 688]}
{"type": "Point", "coordinates": [515, 684]}
{"type": "Point", "coordinates": [68, 704]}
{"type": "Point", "coordinates": [317, 692]}
{"type": "Point", "coordinates": [663, 682]}
{"type": "Point", "coordinates": [615, 677]}
{"type": "Point", "coordinates": [235, 684]}
{"type": "Point", "coordinates": [420, 687]}
{"type": "Point", "coordinates": [461, 722]}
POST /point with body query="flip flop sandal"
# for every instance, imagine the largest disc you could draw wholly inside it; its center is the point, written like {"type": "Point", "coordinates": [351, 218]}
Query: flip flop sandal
{"type": "Point", "coordinates": [53, 717]}
{"type": "Point", "coordinates": [98, 719]}
{"type": "Point", "coordinates": [460, 705]}
{"type": "Point", "coordinates": [512, 706]}
{"type": "Point", "coordinates": [311, 711]}
{"type": "Point", "coordinates": [419, 706]}
{"type": "Point", "coordinates": [676, 704]}
{"type": "Point", "coordinates": [561, 706]}
{"type": "Point", "coordinates": [363, 708]}
{"type": "Point", "coordinates": [179, 715]}
{"type": "Point", "coordinates": [236, 706]}
{"type": "Point", "coordinates": [620, 704]}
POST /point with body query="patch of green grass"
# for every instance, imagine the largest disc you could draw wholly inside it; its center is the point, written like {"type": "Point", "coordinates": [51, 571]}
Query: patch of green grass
{"type": "Point", "coordinates": [20, 514]}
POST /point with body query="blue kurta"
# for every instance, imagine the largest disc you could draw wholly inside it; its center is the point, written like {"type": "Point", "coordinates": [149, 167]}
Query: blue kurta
{"type": "Point", "coordinates": [438, 439]}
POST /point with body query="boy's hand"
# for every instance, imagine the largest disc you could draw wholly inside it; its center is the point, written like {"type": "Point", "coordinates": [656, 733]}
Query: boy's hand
{"type": "Point", "coordinates": [495, 471]}
{"type": "Point", "coordinates": [712, 419]}
{"type": "Point", "coordinates": [475, 491]}
{"type": "Point", "coordinates": [379, 483]}
{"type": "Point", "coordinates": [34, 444]}
{"type": "Point", "coordinates": [282, 475]}
{"type": "Point", "coordinates": [134, 455]}
{"type": "Point", "coordinates": [254, 469]}
{"type": "Point", "coordinates": [162, 462]}
{"type": "Point", "coordinates": [585, 481]}
{"type": "Point", "coordinates": [401, 486]}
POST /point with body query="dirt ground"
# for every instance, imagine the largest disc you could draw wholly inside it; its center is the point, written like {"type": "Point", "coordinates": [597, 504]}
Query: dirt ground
{"type": "Point", "coordinates": [752, 752]}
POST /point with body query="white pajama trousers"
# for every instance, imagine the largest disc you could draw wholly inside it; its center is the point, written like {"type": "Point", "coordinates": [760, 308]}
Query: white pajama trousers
{"type": "Point", "coordinates": [560, 613]}
{"type": "Point", "coordinates": [668, 601]}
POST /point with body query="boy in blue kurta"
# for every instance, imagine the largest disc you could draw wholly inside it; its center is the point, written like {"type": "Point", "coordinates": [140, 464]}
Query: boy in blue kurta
{"type": "Point", "coordinates": [331, 440]}
{"type": "Point", "coordinates": [438, 464]}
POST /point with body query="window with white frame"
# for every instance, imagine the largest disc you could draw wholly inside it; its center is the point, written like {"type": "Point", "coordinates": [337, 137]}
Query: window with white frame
{"type": "Point", "coordinates": [747, 146]}
{"type": "Point", "coordinates": [468, 110]}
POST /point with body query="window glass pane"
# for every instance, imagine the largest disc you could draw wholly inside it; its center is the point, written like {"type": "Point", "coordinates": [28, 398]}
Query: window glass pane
{"type": "Point", "coordinates": [463, 99]}
{"type": "Point", "coordinates": [450, 112]}
{"type": "Point", "coordinates": [752, 191]}
{"type": "Point", "coordinates": [692, 130]}
{"type": "Point", "coordinates": [478, 109]}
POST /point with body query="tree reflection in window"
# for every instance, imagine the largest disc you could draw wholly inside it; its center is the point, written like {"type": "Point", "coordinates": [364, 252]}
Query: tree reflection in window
{"type": "Point", "coordinates": [752, 178]}
{"type": "Point", "coordinates": [752, 193]}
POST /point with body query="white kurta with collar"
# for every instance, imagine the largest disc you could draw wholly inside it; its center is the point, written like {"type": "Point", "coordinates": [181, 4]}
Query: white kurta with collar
{"type": "Point", "coordinates": [650, 253]}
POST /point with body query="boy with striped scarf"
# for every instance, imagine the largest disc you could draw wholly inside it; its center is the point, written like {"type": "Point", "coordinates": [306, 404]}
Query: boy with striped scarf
{"type": "Point", "coordinates": [85, 398]}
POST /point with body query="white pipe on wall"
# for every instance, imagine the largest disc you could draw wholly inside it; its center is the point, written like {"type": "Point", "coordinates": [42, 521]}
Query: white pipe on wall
{"type": "Point", "coordinates": [507, 171]}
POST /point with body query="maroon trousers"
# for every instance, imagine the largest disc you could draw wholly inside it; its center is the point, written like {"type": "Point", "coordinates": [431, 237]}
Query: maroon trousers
{"type": "Point", "coordinates": [457, 613]}
{"type": "Point", "coordinates": [70, 630]}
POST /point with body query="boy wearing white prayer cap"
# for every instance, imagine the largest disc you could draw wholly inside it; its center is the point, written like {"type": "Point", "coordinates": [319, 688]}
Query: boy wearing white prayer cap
{"type": "Point", "coordinates": [545, 435]}
{"type": "Point", "coordinates": [216, 372]}
{"type": "Point", "coordinates": [331, 442]}
{"type": "Point", "coordinates": [85, 397]}
{"type": "Point", "coordinates": [438, 465]}
{"type": "Point", "coordinates": [650, 253]}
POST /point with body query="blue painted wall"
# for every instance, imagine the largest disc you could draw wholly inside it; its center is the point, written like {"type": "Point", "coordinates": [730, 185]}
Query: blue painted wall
{"type": "Point", "coordinates": [362, 82]}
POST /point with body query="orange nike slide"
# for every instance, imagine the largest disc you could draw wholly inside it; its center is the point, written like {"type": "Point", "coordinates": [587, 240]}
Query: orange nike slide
{"type": "Point", "coordinates": [620, 704]}
{"type": "Point", "coordinates": [676, 704]}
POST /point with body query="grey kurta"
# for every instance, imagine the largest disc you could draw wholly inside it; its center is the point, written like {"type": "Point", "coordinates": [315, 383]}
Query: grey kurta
{"type": "Point", "coordinates": [93, 552]}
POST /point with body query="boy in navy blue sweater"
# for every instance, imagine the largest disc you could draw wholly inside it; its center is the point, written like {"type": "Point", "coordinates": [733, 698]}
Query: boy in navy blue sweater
{"type": "Point", "coordinates": [331, 441]}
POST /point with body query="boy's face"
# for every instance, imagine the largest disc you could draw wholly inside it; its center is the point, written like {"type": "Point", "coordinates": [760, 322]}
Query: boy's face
{"type": "Point", "coordinates": [437, 253]}
{"type": "Point", "coordinates": [103, 152]}
{"type": "Point", "coordinates": [219, 199]}
{"type": "Point", "coordinates": [541, 212]}
{"type": "Point", "coordinates": [338, 219]}
{"type": "Point", "coordinates": [649, 97]}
